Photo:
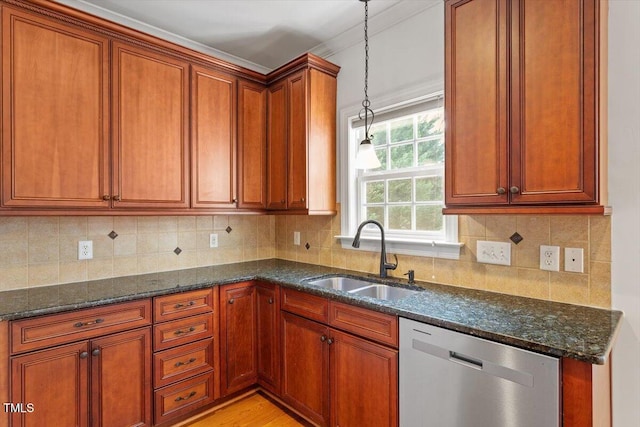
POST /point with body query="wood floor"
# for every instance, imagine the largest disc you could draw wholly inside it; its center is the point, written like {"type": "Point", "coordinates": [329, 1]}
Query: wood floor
{"type": "Point", "coordinates": [252, 411]}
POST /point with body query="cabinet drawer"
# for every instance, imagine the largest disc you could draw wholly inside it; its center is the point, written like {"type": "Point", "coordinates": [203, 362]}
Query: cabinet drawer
{"type": "Point", "coordinates": [55, 329]}
{"type": "Point", "coordinates": [365, 323]}
{"type": "Point", "coordinates": [171, 307]}
{"type": "Point", "coordinates": [183, 397]}
{"type": "Point", "coordinates": [306, 305]}
{"type": "Point", "coordinates": [177, 332]}
{"type": "Point", "coordinates": [182, 362]}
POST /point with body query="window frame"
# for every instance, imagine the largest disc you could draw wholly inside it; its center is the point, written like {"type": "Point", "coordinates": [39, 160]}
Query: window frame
{"type": "Point", "coordinates": [407, 242]}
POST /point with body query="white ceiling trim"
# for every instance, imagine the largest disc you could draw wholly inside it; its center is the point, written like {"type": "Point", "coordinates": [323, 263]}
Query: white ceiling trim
{"type": "Point", "coordinates": [386, 19]}
{"type": "Point", "coordinates": [162, 34]}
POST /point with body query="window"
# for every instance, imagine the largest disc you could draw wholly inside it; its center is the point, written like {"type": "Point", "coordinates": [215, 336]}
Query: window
{"type": "Point", "coordinates": [405, 194]}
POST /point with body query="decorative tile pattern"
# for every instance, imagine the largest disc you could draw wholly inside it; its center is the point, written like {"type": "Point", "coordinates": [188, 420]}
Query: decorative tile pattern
{"type": "Point", "coordinates": [113, 234]}
{"type": "Point", "coordinates": [516, 238]}
{"type": "Point", "coordinates": [228, 229]}
{"type": "Point", "coordinates": [177, 251]}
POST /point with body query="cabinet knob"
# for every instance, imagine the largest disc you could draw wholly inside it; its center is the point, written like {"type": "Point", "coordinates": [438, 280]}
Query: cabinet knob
{"type": "Point", "coordinates": [235, 200]}
{"type": "Point", "coordinates": [96, 352]}
{"type": "Point", "coordinates": [323, 338]}
{"type": "Point", "coordinates": [84, 355]}
{"type": "Point", "coordinates": [302, 200]}
{"type": "Point", "coordinates": [282, 202]}
{"type": "Point", "coordinates": [514, 190]}
{"type": "Point", "coordinates": [501, 190]}
{"type": "Point", "coordinates": [330, 341]}
{"type": "Point", "coordinates": [231, 301]}
{"type": "Point", "coordinates": [270, 300]}
{"type": "Point", "coordinates": [106, 197]}
{"type": "Point", "coordinates": [116, 198]}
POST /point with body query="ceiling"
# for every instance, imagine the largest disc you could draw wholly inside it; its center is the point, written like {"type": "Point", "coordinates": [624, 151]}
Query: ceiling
{"type": "Point", "coordinates": [257, 34]}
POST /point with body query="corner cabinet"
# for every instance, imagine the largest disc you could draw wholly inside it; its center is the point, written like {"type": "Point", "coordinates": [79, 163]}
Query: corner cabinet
{"type": "Point", "coordinates": [55, 122]}
{"type": "Point", "coordinates": [523, 107]}
{"type": "Point", "coordinates": [301, 139]}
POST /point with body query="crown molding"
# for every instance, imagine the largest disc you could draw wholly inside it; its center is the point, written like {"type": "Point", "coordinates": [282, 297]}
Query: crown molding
{"type": "Point", "coordinates": [384, 20]}
{"type": "Point", "coordinates": [162, 34]}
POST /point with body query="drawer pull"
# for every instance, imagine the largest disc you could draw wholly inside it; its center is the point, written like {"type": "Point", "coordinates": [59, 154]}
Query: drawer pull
{"type": "Point", "coordinates": [189, 396]}
{"type": "Point", "coordinates": [184, 331]}
{"type": "Point", "coordinates": [180, 305]}
{"type": "Point", "coordinates": [94, 322]}
{"type": "Point", "coordinates": [178, 364]}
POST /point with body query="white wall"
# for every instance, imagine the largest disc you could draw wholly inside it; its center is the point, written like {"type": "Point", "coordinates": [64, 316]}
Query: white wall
{"type": "Point", "coordinates": [624, 196]}
{"type": "Point", "coordinates": [411, 54]}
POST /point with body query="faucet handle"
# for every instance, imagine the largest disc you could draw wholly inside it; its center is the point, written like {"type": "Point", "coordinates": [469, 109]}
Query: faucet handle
{"type": "Point", "coordinates": [390, 265]}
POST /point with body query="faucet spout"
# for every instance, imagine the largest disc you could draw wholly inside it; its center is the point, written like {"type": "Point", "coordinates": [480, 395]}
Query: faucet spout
{"type": "Point", "coordinates": [384, 265]}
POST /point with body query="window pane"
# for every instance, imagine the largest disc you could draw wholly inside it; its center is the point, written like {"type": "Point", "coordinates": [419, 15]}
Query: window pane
{"type": "Point", "coordinates": [375, 192]}
{"type": "Point", "coordinates": [430, 152]}
{"type": "Point", "coordinates": [379, 134]}
{"type": "Point", "coordinates": [400, 217]}
{"type": "Point", "coordinates": [402, 130]}
{"type": "Point", "coordinates": [429, 189]}
{"type": "Point", "coordinates": [430, 123]}
{"type": "Point", "coordinates": [400, 190]}
{"type": "Point", "coordinates": [382, 156]}
{"type": "Point", "coordinates": [428, 218]}
{"type": "Point", "coordinates": [402, 156]}
{"type": "Point", "coordinates": [375, 212]}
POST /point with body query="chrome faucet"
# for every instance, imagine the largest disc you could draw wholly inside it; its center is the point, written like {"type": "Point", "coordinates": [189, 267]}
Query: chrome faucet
{"type": "Point", "coordinates": [384, 265]}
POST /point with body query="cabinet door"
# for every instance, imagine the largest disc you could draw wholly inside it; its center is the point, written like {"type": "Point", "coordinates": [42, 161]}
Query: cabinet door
{"type": "Point", "coordinates": [56, 382]}
{"type": "Point", "coordinates": [55, 126]}
{"type": "Point", "coordinates": [298, 126]}
{"type": "Point", "coordinates": [238, 337]}
{"type": "Point", "coordinates": [305, 367]}
{"type": "Point", "coordinates": [268, 334]}
{"type": "Point", "coordinates": [277, 145]}
{"type": "Point", "coordinates": [554, 131]}
{"type": "Point", "coordinates": [252, 145]}
{"type": "Point", "coordinates": [151, 129]}
{"type": "Point", "coordinates": [213, 139]}
{"type": "Point", "coordinates": [358, 367]}
{"type": "Point", "coordinates": [476, 102]}
{"type": "Point", "coordinates": [121, 379]}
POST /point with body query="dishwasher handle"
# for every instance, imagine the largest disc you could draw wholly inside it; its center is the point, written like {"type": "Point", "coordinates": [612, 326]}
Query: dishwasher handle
{"type": "Point", "coordinates": [465, 360]}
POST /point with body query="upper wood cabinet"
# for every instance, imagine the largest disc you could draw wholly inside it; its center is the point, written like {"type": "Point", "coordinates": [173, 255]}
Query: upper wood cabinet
{"type": "Point", "coordinates": [151, 129]}
{"type": "Point", "coordinates": [252, 145]}
{"type": "Point", "coordinates": [522, 106]}
{"type": "Point", "coordinates": [213, 139]}
{"type": "Point", "coordinates": [301, 141]}
{"type": "Point", "coordinates": [55, 121]}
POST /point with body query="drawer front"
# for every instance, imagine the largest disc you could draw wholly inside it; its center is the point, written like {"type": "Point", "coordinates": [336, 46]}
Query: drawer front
{"type": "Point", "coordinates": [48, 331]}
{"type": "Point", "coordinates": [183, 331]}
{"type": "Point", "coordinates": [366, 323]}
{"type": "Point", "coordinates": [171, 307]}
{"type": "Point", "coordinates": [182, 362]}
{"type": "Point", "coordinates": [306, 305]}
{"type": "Point", "coordinates": [183, 397]}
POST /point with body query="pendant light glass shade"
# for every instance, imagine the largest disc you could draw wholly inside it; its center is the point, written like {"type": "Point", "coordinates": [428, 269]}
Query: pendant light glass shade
{"type": "Point", "coordinates": [366, 157]}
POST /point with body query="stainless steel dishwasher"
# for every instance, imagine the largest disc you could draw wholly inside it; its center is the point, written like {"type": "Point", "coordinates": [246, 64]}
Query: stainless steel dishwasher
{"type": "Point", "coordinates": [449, 379]}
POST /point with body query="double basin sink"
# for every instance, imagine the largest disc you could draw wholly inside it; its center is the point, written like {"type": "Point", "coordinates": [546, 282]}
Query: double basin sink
{"type": "Point", "coordinates": [362, 287]}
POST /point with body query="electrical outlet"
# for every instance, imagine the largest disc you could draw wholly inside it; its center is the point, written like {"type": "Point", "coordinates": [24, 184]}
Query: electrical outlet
{"type": "Point", "coordinates": [493, 252]}
{"type": "Point", "coordinates": [550, 258]}
{"type": "Point", "coordinates": [85, 249]}
{"type": "Point", "coordinates": [213, 240]}
{"type": "Point", "coordinates": [574, 260]}
{"type": "Point", "coordinates": [296, 238]}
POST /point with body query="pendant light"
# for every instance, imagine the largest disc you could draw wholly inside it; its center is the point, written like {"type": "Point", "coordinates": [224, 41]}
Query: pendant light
{"type": "Point", "coordinates": [366, 157]}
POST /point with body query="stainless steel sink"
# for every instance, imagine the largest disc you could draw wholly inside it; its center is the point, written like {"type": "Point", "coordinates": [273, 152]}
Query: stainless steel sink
{"type": "Point", "coordinates": [340, 283]}
{"type": "Point", "coordinates": [384, 292]}
{"type": "Point", "coordinates": [362, 288]}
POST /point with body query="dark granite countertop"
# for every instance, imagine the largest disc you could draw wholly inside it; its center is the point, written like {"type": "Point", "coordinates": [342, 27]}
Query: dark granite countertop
{"type": "Point", "coordinates": [556, 329]}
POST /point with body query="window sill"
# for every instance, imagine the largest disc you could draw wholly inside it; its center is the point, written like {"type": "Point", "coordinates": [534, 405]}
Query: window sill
{"type": "Point", "coordinates": [406, 246]}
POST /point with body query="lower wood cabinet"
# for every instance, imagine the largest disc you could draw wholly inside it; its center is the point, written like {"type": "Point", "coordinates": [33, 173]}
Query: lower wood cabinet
{"type": "Point", "coordinates": [337, 378]}
{"type": "Point", "coordinates": [268, 336]}
{"type": "Point", "coordinates": [81, 384]}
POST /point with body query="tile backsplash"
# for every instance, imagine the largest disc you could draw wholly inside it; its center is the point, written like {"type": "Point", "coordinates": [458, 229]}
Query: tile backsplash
{"type": "Point", "coordinates": [523, 277]}
{"type": "Point", "coordinates": [39, 251]}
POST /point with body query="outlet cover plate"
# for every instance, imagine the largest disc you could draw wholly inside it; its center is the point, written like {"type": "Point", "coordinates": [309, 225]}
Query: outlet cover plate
{"type": "Point", "coordinates": [549, 258]}
{"type": "Point", "coordinates": [296, 238]}
{"type": "Point", "coordinates": [494, 252]}
{"type": "Point", "coordinates": [85, 249]}
{"type": "Point", "coordinates": [574, 260]}
{"type": "Point", "coordinates": [213, 240]}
